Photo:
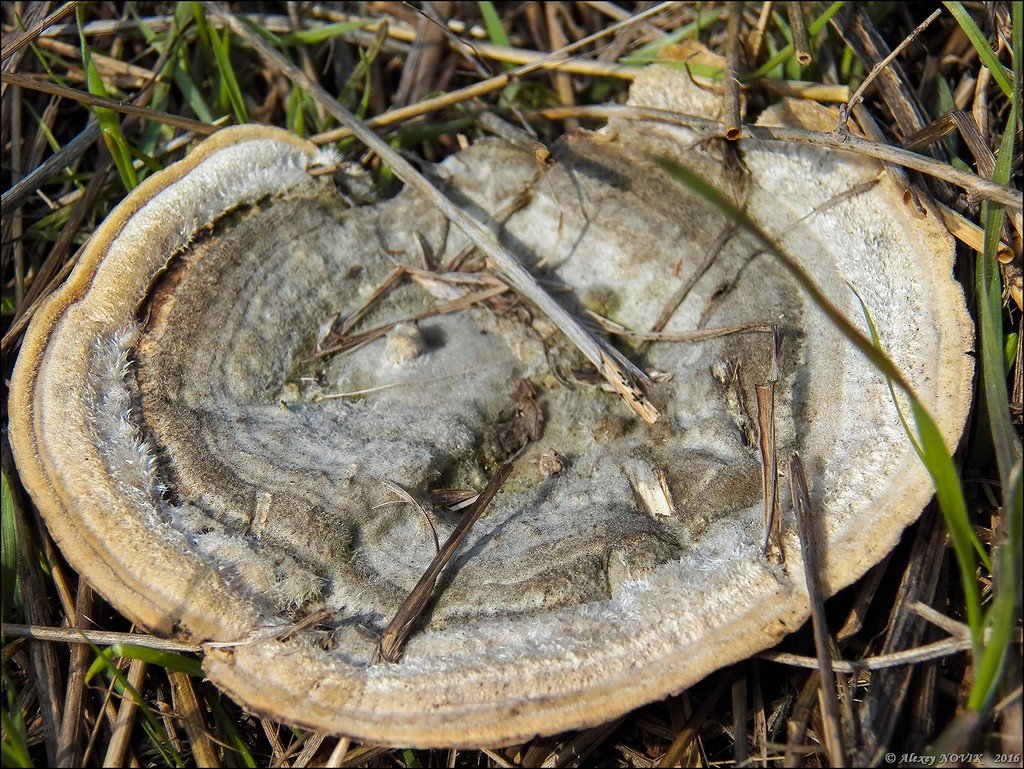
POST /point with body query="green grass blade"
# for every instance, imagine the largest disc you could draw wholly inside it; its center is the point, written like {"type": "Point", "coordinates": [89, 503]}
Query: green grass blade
{"type": "Point", "coordinates": [1002, 615]}
{"type": "Point", "coordinates": [169, 660]}
{"type": "Point", "coordinates": [361, 72]}
{"type": "Point", "coordinates": [320, 34]}
{"type": "Point", "coordinates": [492, 23]}
{"type": "Point", "coordinates": [14, 745]}
{"type": "Point", "coordinates": [985, 53]}
{"type": "Point", "coordinates": [105, 661]}
{"type": "Point", "coordinates": [109, 124]}
{"type": "Point", "coordinates": [876, 339]}
{"type": "Point", "coordinates": [193, 96]}
{"type": "Point", "coordinates": [234, 740]}
{"type": "Point", "coordinates": [937, 459]}
{"type": "Point", "coordinates": [652, 51]}
{"type": "Point", "coordinates": [786, 52]}
{"type": "Point", "coordinates": [221, 44]}
{"type": "Point", "coordinates": [294, 112]}
{"type": "Point", "coordinates": [8, 551]}
{"type": "Point", "coordinates": [1005, 441]}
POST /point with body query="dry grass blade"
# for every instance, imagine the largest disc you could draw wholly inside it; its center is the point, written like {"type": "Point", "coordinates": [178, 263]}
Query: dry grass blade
{"type": "Point", "coordinates": [798, 29]}
{"type": "Point", "coordinates": [338, 755]}
{"type": "Point", "coordinates": [43, 657]}
{"type": "Point", "coordinates": [581, 746]}
{"type": "Point", "coordinates": [393, 639]}
{"type": "Point", "coordinates": [881, 65]}
{"type": "Point", "coordinates": [98, 637]}
{"type": "Point", "coordinates": [796, 728]}
{"type": "Point", "coordinates": [765, 394]}
{"type": "Point", "coordinates": [857, 30]}
{"type": "Point", "coordinates": [689, 731]}
{"type": "Point", "coordinates": [83, 97]}
{"type": "Point", "coordinates": [186, 705]}
{"type": "Point", "coordinates": [731, 94]}
{"type": "Point", "coordinates": [491, 84]}
{"type": "Point", "coordinates": [865, 595]}
{"type": "Point", "coordinates": [309, 749]}
{"type": "Point", "coordinates": [68, 739]}
{"type": "Point", "coordinates": [392, 279]}
{"type": "Point", "coordinates": [809, 537]}
{"type": "Point", "coordinates": [685, 337]}
{"type": "Point", "coordinates": [970, 234]}
{"type": "Point", "coordinates": [882, 706]}
{"type": "Point", "coordinates": [55, 263]}
{"type": "Point", "coordinates": [117, 750]}
{"type": "Point", "coordinates": [513, 135]}
{"type": "Point", "coordinates": [969, 132]}
{"type": "Point", "coordinates": [740, 713]}
{"type": "Point", "coordinates": [932, 651]}
{"type": "Point", "coordinates": [679, 296]}
{"type": "Point", "coordinates": [16, 45]}
{"type": "Point", "coordinates": [65, 156]}
{"type": "Point", "coordinates": [407, 497]}
{"type": "Point", "coordinates": [455, 305]}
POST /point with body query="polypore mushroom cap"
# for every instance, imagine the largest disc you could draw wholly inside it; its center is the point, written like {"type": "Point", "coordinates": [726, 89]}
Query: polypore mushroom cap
{"type": "Point", "coordinates": [184, 447]}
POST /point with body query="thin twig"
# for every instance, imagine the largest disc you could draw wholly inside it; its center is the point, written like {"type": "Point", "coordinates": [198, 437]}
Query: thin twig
{"type": "Point", "coordinates": [931, 651]}
{"type": "Point", "coordinates": [394, 488]}
{"type": "Point", "coordinates": [877, 69]}
{"type": "Point", "coordinates": [393, 639]}
{"type": "Point", "coordinates": [626, 378]}
{"type": "Point", "coordinates": [32, 34]}
{"type": "Point", "coordinates": [685, 337]}
{"type": "Point", "coordinates": [83, 97]}
{"type": "Point", "coordinates": [455, 305]}
{"type": "Point", "coordinates": [98, 637]}
{"type": "Point", "coordinates": [65, 156]}
{"type": "Point", "coordinates": [679, 296]}
{"type": "Point", "coordinates": [809, 538]}
{"type": "Point", "coordinates": [897, 174]}
{"type": "Point", "coordinates": [983, 188]}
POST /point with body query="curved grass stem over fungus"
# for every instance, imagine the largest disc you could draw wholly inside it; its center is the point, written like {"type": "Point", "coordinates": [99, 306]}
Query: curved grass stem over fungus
{"type": "Point", "coordinates": [177, 415]}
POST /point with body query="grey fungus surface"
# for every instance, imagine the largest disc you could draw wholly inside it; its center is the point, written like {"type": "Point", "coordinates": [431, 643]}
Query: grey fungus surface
{"type": "Point", "coordinates": [216, 479]}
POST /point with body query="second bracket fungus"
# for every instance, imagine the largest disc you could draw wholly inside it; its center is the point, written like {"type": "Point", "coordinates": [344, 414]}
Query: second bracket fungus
{"type": "Point", "coordinates": [215, 411]}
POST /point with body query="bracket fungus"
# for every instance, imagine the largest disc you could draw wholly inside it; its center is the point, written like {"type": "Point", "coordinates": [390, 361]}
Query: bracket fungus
{"type": "Point", "coordinates": [214, 413]}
